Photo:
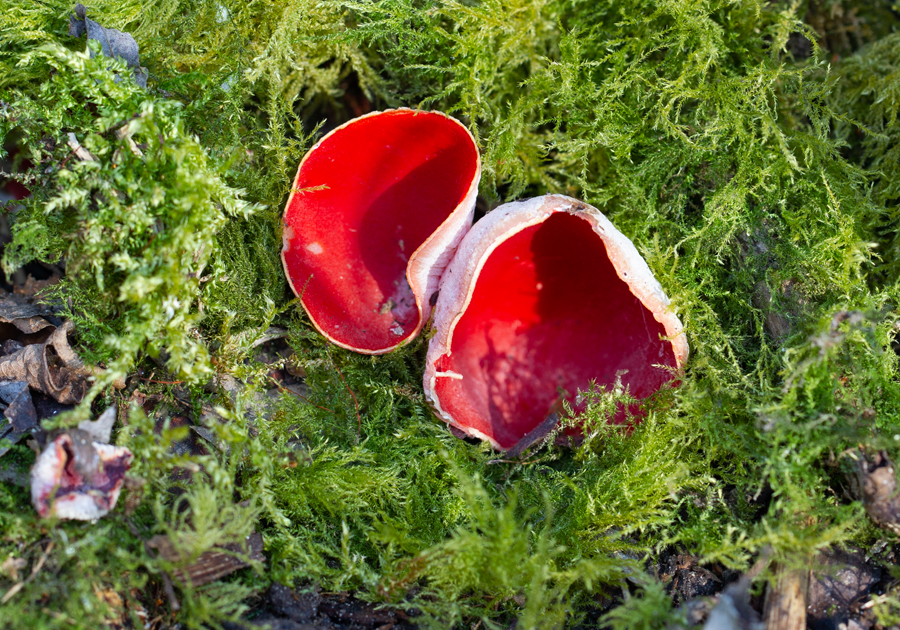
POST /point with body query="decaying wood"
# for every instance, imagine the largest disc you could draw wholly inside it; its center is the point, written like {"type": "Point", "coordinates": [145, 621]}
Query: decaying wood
{"type": "Point", "coordinates": [785, 606]}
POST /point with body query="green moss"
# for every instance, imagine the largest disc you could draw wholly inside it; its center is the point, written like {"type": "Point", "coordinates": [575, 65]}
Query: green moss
{"type": "Point", "coordinates": [757, 181]}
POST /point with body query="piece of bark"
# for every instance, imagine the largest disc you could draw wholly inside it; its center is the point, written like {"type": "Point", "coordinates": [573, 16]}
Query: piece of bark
{"type": "Point", "coordinates": [785, 606]}
{"type": "Point", "coordinates": [213, 564]}
{"type": "Point", "coordinates": [51, 367]}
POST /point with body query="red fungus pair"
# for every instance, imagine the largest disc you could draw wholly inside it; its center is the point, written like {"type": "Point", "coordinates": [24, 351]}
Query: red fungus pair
{"type": "Point", "coordinates": [536, 301]}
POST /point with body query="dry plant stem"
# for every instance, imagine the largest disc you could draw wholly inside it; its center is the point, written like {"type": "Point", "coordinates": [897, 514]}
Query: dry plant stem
{"type": "Point", "coordinates": [785, 607]}
{"type": "Point", "coordinates": [37, 568]}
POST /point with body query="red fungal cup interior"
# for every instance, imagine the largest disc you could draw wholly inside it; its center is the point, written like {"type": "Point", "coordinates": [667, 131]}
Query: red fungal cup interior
{"type": "Point", "coordinates": [548, 315]}
{"type": "Point", "coordinates": [365, 199]}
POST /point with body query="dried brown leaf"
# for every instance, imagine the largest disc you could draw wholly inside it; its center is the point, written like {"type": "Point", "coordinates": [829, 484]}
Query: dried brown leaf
{"type": "Point", "coordinates": [213, 564]}
{"type": "Point", "coordinates": [51, 367]}
{"type": "Point", "coordinates": [28, 318]}
{"type": "Point", "coordinates": [20, 413]}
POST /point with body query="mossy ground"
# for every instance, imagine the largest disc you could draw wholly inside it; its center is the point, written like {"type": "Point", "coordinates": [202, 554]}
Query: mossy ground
{"type": "Point", "coordinates": [750, 151]}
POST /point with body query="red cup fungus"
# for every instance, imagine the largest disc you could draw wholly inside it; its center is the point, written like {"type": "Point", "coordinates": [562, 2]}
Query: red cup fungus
{"type": "Point", "coordinates": [543, 297]}
{"type": "Point", "coordinates": [376, 212]}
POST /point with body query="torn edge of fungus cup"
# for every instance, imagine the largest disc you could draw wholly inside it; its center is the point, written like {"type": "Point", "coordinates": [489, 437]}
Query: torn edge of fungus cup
{"type": "Point", "coordinates": [543, 297]}
{"type": "Point", "coordinates": [375, 214]}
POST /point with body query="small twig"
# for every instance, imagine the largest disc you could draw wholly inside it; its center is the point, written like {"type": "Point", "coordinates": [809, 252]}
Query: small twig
{"type": "Point", "coordinates": [123, 134]}
{"type": "Point", "coordinates": [537, 434]}
{"type": "Point", "coordinates": [284, 389]}
{"type": "Point", "coordinates": [34, 571]}
{"type": "Point", "coordinates": [82, 153]}
{"type": "Point", "coordinates": [355, 402]}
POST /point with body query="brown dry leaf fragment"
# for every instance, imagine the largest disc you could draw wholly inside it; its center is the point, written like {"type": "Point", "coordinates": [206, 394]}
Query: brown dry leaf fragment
{"type": "Point", "coordinates": [31, 287]}
{"type": "Point", "coordinates": [26, 317]}
{"type": "Point", "coordinates": [874, 482]}
{"type": "Point", "coordinates": [51, 367]}
{"type": "Point", "coordinates": [212, 564]}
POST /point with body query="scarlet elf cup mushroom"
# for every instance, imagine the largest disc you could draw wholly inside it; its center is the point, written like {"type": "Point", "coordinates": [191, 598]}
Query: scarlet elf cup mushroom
{"type": "Point", "coordinates": [542, 297]}
{"type": "Point", "coordinates": [376, 212]}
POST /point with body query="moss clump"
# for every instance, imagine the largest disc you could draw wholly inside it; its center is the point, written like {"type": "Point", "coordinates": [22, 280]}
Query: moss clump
{"type": "Point", "coordinates": [755, 177]}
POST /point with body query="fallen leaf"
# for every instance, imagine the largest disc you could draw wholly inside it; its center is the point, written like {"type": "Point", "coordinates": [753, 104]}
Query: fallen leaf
{"type": "Point", "coordinates": [20, 413]}
{"type": "Point", "coordinates": [31, 287]}
{"type": "Point", "coordinates": [212, 564]}
{"type": "Point", "coordinates": [113, 43]}
{"type": "Point", "coordinates": [26, 317]}
{"type": "Point", "coordinates": [51, 367]}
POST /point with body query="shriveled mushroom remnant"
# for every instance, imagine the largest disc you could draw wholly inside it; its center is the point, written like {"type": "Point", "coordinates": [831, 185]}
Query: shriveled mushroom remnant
{"type": "Point", "coordinates": [79, 475]}
{"type": "Point", "coordinates": [377, 210]}
{"type": "Point", "coordinates": [543, 297]}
